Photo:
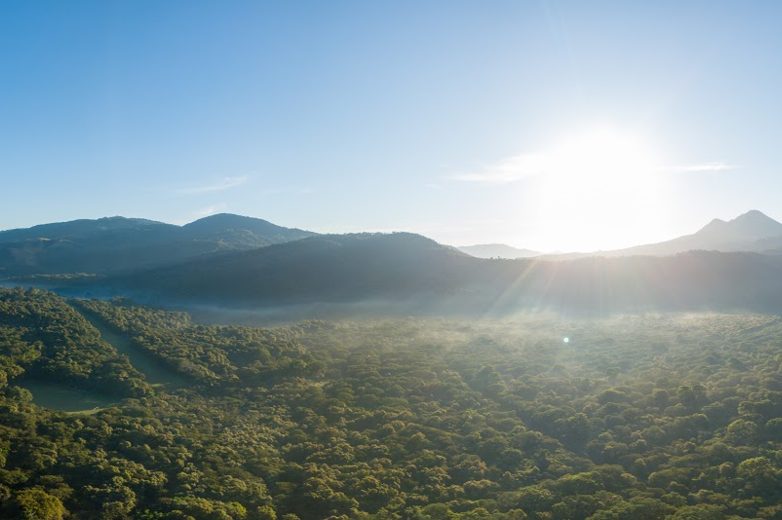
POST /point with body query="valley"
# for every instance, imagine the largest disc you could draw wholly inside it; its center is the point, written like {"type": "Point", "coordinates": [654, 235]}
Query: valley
{"type": "Point", "coordinates": [377, 376]}
{"type": "Point", "coordinates": [155, 373]}
{"type": "Point", "coordinates": [350, 260]}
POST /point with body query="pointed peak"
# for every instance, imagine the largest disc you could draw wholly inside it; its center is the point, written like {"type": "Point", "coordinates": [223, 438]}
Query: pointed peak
{"type": "Point", "coordinates": [752, 225]}
{"type": "Point", "coordinates": [756, 220]}
{"type": "Point", "coordinates": [715, 224]}
{"type": "Point", "coordinates": [753, 215]}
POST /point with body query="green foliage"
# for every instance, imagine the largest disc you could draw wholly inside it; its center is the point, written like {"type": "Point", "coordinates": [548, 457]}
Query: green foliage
{"type": "Point", "coordinates": [671, 416]}
{"type": "Point", "coordinates": [42, 337]}
{"type": "Point", "coordinates": [35, 504]}
{"type": "Point", "coordinates": [210, 355]}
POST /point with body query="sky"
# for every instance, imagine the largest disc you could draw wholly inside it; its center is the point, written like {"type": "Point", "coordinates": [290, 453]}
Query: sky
{"type": "Point", "coordinates": [551, 125]}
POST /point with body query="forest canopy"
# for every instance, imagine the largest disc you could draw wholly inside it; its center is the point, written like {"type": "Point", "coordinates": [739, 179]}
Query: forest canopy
{"type": "Point", "coordinates": [646, 416]}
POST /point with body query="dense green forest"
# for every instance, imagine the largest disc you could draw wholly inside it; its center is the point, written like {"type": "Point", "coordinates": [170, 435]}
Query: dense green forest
{"type": "Point", "coordinates": [541, 417]}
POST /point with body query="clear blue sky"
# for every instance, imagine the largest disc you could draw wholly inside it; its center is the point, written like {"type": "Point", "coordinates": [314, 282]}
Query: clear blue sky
{"type": "Point", "coordinates": [341, 116]}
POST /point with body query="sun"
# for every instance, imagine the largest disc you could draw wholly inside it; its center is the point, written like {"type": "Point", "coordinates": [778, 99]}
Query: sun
{"type": "Point", "coordinates": [600, 189]}
{"type": "Point", "coordinates": [602, 158]}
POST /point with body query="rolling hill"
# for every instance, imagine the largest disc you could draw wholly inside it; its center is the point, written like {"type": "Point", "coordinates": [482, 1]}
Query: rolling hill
{"type": "Point", "coordinates": [241, 261]}
{"type": "Point", "coordinates": [118, 244]}
{"type": "Point", "coordinates": [403, 267]}
{"type": "Point", "coordinates": [324, 268]}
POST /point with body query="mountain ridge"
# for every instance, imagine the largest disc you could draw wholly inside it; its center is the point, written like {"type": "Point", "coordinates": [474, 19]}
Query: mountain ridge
{"type": "Point", "coordinates": [426, 275]}
{"type": "Point", "coordinates": [79, 227]}
{"type": "Point", "coordinates": [216, 264]}
{"type": "Point", "coordinates": [752, 231]}
{"type": "Point", "coordinates": [331, 267]}
{"type": "Point", "coordinates": [114, 244]}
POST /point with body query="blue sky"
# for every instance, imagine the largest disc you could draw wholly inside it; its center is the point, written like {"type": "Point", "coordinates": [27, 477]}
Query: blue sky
{"type": "Point", "coordinates": [468, 122]}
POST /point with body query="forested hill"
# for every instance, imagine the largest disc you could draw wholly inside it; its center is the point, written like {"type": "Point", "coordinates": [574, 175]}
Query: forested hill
{"type": "Point", "coordinates": [323, 268]}
{"type": "Point", "coordinates": [240, 261]}
{"type": "Point", "coordinates": [409, 267]}
{"type": "Point", "coordinates": [116, 244]}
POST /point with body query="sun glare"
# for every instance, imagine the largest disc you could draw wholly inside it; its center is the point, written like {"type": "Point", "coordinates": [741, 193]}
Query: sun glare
{"type": "Point", "coordinates": [600, 189]}
{"type": "Point", "coordinates": [601, 156]}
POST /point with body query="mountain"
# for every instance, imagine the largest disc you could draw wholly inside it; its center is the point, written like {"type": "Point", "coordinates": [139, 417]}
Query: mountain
{"type": "Point", "coordinates": [220, 260]}
{"type": "Point", "coordinates": [497, 251]}
{"type": "Point", "coordinates": [116, 244]}
{"type": "Point", "coordinates": [752, 225]}
{"type": "Point", "coordinates": [321, 268]}
{"type": "Point", "coordinates": [241, 232]}
{"type": "Point", "coordinates": [752, 231]}
{"type": "Point", "coordinates": [414, 270]}
{"type": "Point", "coordinates": [744, 233]}
{"type": "Point", "coordinates": [83, 228]}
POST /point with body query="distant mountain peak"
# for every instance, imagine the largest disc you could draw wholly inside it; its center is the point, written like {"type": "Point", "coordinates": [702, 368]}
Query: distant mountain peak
{"type": "Point", "coordinates": [113, 244]}
{"type": "Point", "coordinates": [754, 215]}
{"type": "Point", "coordinates": [228, 222]}
{"type": "Point", "coordinates": [752, 212]}
{"type": "Point", "coordinates": [752, 225]}
{"type": "Point", "coordinates": [226, 217]}
{"type": "Point", "coordinates": [80, 227]}
{"type": "Point", "coordinates": [716, 226]}
{"type": "Point", "coordinates": [750, 231]}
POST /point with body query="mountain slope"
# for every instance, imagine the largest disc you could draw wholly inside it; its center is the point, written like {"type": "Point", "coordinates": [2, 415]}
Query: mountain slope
{"type": "Point", "coordinates": [409, 268]}
{"type": "Point", "coordinates": [241, 232]}
{"type": "Point", "coordinates": [324, 268]}
{"type": "Point", "coordinates": [116, 244]}
{"type": "Point", "coordinates": [83, 228]}
{"type": "Point", "coordinates": [752, 231]}
{"type": "Point", "coordinates": [208, 262]}
{"type": "Point", "coordinates": [740, 234]}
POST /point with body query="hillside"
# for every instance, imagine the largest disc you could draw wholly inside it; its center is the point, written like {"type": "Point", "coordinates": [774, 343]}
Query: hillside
{"type": "Point", "coordinates": [241, 261]}
{"type": "Point", "coordinates": [323, 268]}
{"type": "Point", "coordinates": [116, 244]}
{"type": "Point", "coordinates": [82, 228]}
{"type": "Point", "coordinates": [405, 267]}
{"type": "Point", "coordinates": [241, 232]}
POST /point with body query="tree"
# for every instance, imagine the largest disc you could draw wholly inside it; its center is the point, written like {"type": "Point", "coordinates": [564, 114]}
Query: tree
{"type": "Point", "coordinates": [35, 504]}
